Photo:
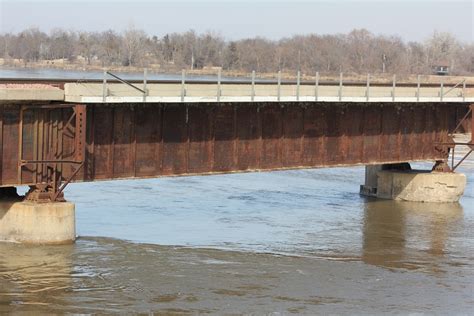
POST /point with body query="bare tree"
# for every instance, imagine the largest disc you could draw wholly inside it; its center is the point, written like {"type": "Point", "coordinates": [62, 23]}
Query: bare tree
{"type": "Point", "coordinates": [134, 42]}
{"type": "Point", "coordinates": [359, 51]}
{"type": "Point", "coordinates": [88, 45]}
{"type": "Point", "coordinates": [28, 45]}
{"type": "Point", "coordinates": [62, 44]}
{"type": "Point", "coordinates": [442, 47]}
{"type": "Point", "coordinates": [231, 56]}
{"type": "Point", "coordinates": [110, 47]}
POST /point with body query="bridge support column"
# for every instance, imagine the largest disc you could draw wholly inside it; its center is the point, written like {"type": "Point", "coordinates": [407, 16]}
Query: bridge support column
{"type": "Point", "coordinates": [35, 222]}
{"type": "Point", "coordinates": [399, 182]}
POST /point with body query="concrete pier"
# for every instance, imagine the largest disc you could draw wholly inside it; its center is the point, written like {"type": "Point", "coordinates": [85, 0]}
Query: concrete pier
{"type": "Point", "coordinates": [37, 223]}
{"type": "Point", "coordinates": [385, 182]}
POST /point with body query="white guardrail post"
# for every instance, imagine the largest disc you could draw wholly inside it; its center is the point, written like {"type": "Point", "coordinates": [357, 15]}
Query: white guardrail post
{"type": "Point", "coordinates": [253, 86]}
{"type": "Point", "coordinates": [219, 85]}
{"type": "Point", "coordinates": [418, 83]}
{"type": "Point", "coordinates": [464, 90]}
{"type": "Point", "coordinates": [145, 91]}
{"type": "Point", "coordinates": [367, 90]}
{"type": "Point", "coordinates": [104, 87]}
{"type": "Point", "coordinates": [394, 85]}
{"type": "Point", "coordinates": [316, 88]}
{"type": "Point", "coordinates": [298, 81]}
{"type": "Point", "coordinates": [183, 82]}
{"type": "Point", "coordinates": [340, 86]}
{"type": "Point", "coordinates": [279, 86]}
{"type": "Point", "coordinates": [441, 90]}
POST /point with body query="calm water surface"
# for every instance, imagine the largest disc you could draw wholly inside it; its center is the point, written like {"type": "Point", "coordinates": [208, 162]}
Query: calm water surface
{"type": "Point", "coordinates": [77, 74]}
{"type": "Point", "coordinates": [265, 243]}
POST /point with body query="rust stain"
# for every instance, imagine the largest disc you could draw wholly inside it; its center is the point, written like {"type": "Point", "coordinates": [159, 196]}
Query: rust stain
{"type": "Point", "coordinates": [153, 140]}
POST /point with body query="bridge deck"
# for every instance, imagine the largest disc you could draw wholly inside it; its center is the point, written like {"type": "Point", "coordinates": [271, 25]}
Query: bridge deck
{"type": "Point", "coordinates": [91, 91]}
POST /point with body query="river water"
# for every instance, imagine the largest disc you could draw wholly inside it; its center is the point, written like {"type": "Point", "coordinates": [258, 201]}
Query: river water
{"type": "Point", "coordinates": [279, 242]}
{"type": "Point", "coordinates": [48, 73]}
{"type": "Point", "coordinates": [286, 242]}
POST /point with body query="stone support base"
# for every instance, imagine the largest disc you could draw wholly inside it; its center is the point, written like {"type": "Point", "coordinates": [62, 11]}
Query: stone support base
{"type": "Point", "coordinates": [414, 185]}
{"type": "Point", "coordinates": [37, 223]}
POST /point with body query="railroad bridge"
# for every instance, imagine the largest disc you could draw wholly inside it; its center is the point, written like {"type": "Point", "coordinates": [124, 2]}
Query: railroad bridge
{"type": "Point", "coordinates": [55, 132]}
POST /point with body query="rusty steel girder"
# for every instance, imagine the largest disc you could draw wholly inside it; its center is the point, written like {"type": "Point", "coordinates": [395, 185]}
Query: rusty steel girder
{"type": "Point", "coordinates": [147, 141]}
{"type": "Point", "coordinates": [47, 146]}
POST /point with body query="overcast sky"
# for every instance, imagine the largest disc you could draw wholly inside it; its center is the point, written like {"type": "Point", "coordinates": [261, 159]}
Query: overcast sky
{"type": "Point", "coordinates": [412, 20]}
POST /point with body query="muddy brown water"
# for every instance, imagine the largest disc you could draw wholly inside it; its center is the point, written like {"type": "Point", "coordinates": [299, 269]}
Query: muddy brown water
{"type": "Point", "coordinates": [277, 243]}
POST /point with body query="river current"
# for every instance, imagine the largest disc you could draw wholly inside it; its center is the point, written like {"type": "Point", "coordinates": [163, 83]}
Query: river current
{"type": "Point", "coordinates": [279, 242]}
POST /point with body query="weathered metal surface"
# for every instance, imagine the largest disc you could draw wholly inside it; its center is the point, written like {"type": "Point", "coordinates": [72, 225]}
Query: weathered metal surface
{"type": "Point", "coordinates": [152, 140]}
{"type": "Point", "coordinates": [453, 144]}
{"type": "Point", "coordinates": [50, 147]}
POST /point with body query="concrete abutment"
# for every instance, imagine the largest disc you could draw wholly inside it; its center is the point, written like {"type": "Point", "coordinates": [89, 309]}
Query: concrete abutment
{"type": "Point", "coordinates": [399, 182]}
{"type": "Point", "coordinates": [35, 223]}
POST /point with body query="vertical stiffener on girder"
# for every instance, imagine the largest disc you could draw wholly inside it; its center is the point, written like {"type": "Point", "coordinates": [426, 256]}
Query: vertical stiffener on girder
{"type": "Point", "coordinates": [51, 148]}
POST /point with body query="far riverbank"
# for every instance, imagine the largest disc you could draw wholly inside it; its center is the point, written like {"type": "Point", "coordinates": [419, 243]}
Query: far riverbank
{"type": "Point", "coordinates": [64, 69]}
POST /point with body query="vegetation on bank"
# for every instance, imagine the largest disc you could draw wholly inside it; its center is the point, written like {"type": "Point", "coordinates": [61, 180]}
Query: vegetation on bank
{"type": "Point", "coordinates": [356, 53]}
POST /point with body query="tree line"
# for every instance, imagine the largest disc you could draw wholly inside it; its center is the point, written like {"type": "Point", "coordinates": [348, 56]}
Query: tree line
{"type": "Point", "coordinates": [358, 52]}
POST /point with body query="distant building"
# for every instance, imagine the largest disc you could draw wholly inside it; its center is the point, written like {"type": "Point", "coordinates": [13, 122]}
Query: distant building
{"type": "Point", "coordinates": [441, 68]}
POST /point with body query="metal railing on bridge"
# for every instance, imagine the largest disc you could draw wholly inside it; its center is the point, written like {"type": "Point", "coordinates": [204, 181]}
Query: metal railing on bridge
{"type": "Point", "coordinates": [266, 90]}
{"type": "Point", "coordinates": [188, 89]}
